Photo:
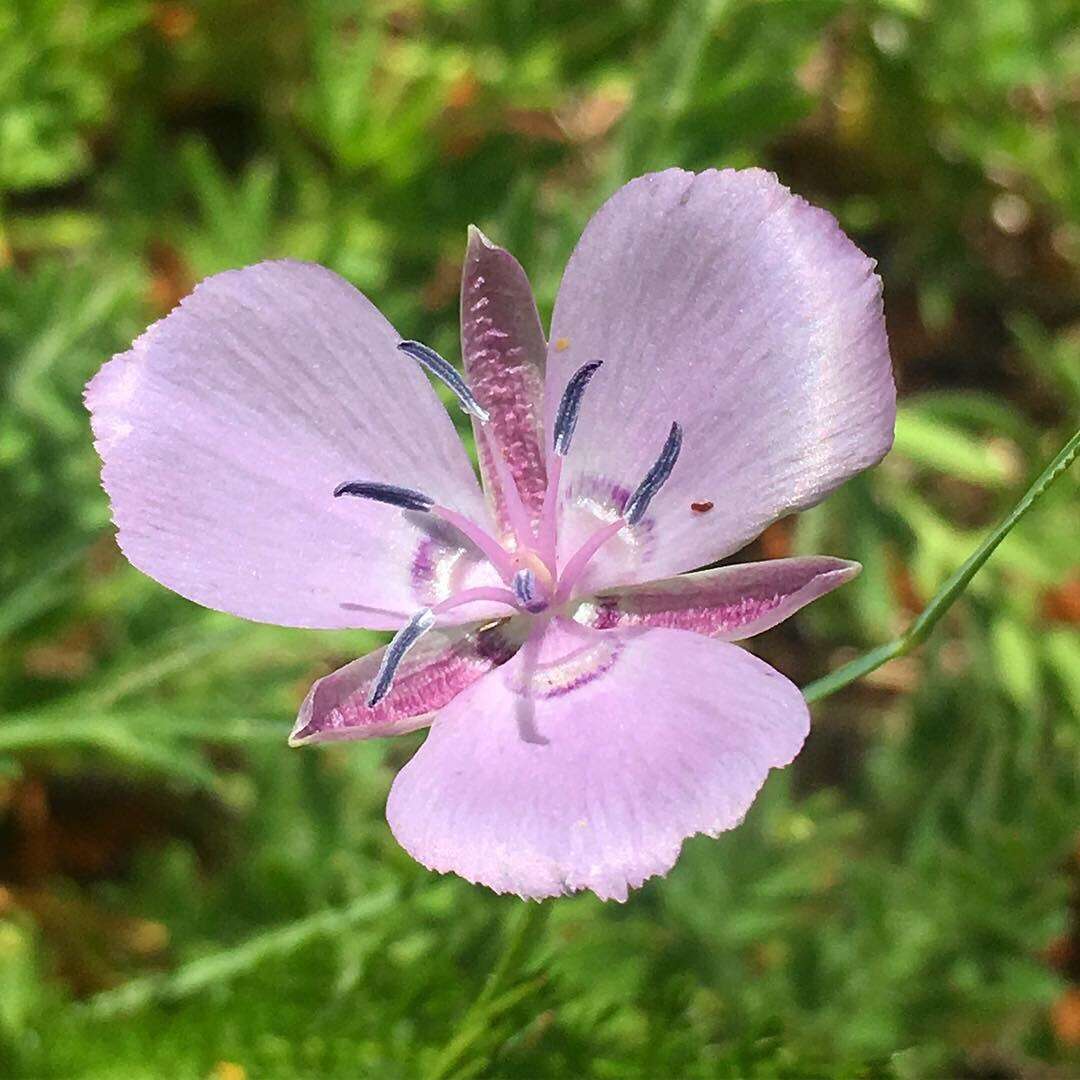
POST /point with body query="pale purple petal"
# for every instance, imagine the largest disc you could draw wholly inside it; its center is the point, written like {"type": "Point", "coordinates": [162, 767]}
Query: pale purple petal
{"type": "Point", "coordinates": [585, 763]}
{"type": "Point", "coordinates": [433, 673]}
{"type": "Point", "coordinates": [725, 303]}
{"type": "Point", "coordinates": [730, 602]}
{"type": "Point", "coordinates": [227, 426]}
{"type": "Point", "coordinates": [503, 349]}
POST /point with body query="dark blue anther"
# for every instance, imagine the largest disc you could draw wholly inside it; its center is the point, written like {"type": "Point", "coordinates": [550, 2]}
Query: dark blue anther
{"type": "Point", "coordinates": [391, 494]}
{"type": "Point", "coordinates": [524, 586]}
{"type": "Point", "coordinates": [570, 407]}
{"type": "Point", "coordinates": [448, 375]}
{"type": "Point", "coordinates": [654, 480]}
{"type": "Point", "coordinates": [399, 645]}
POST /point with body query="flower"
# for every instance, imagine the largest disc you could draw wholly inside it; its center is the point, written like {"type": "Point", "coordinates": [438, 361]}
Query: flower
{"type": "Point", "coordinates": [718, 359]}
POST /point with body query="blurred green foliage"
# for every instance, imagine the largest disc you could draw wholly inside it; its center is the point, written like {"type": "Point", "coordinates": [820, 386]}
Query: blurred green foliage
{"type": "Point", "coordinates": [896, 905]}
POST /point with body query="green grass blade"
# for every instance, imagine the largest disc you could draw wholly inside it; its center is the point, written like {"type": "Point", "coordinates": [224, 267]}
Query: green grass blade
{"type": "Point", "coordinates": [947, 595]}
{"type": "Point", "coordinates": [230, 963]}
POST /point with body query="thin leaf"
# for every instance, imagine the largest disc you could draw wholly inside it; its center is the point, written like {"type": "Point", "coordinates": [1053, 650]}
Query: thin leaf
{"type": "Point", "coordinates": [948, 594]}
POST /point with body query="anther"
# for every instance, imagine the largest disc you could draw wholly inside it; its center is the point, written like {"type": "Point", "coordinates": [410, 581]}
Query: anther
{"type": "Point", "coordinates": [570, 406]}
{"type": "Point", "coordinates": [448, 375]}
{"type": "Point", "coordinates": [402, 641]}
{"type": "Point", "coordinates": [655, 478]}
{"type": "Point", "coordinates": [391, 494]}
{"type": "Point", "coordinates": [524, 586]}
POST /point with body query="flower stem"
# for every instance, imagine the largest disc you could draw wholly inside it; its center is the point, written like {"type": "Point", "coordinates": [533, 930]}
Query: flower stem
{"type": "Point", "coordinates": [946, 596]}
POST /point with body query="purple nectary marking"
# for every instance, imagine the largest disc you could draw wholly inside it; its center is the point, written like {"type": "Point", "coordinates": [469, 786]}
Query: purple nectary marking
{"type": "Point", "coordinates": [580, 664]}
{"type": "Point", "coordinates": [434, 565]}
{"type": "Point", "coordinates": [575, 678]}
{"type": "Point", "coordinates": [608, 616]}
{"type": "Point", "coordinates": [607, 495]}
{"type": "Point", "coordinates": [430, 558]}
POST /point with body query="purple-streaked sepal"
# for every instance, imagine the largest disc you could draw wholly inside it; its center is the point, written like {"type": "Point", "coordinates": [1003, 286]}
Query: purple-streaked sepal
{"type": "Point", "coordinates": [504, 353]}
{"type": "Point", "coordinates": [433, 672]}
{"type": "Point", "coordinates": [730, 602]}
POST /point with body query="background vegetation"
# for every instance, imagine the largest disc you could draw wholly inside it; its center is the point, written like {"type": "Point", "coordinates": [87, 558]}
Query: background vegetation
{"type": "Point", "coordinates": [183, 896]}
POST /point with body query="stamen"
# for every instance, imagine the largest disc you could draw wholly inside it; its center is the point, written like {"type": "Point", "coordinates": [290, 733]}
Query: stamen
{"type": "Point", "coordinates": [448, 375]}
{"type": "Point", "coordinates": [547, 526]}
{"type": "Point", "coordinates": [517, 516]}
{"type": "Point", "coordinates": [403, 497]}
{"type": "Point", "coordinates": [524, 586]}
{"type": "Point", "coordinates": [408, 499]}
{"type": "Point", "coordinates": [495, 552]}
{"type": "Point", "coordinates": [655, 478]}
{"type": "Point", "coordinates": [633, 512]}
{"type": "Point", "coordinates": [402, 641]}
{"type": "Point", "coordinates": [575, 565]}
{"type": "Point", "coordinates": [471, 596]}
{"type": "Point", "coordinates": [420, 624]}
{"type": "Point", "coordinates": [566, 419]}
{"type": "Point", "coordinates": [570, 406]}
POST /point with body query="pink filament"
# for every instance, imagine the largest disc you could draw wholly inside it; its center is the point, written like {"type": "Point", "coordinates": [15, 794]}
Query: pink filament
{"type": "Point", "coordinates": [520, 521]}
{"type": "Point", "coordinates": [491, 547]}
{"type": "Point", "coordinates": [577, 562]}
{"type": "Point", "coordinates": [470, 596]}
{"type": "Point", "coordinates": [547, 532]}
{"type": "Point", "coordinates": [544, 543]}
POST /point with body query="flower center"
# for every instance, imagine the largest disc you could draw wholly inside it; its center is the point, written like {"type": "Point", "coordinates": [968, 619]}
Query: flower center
{"type": "Point", "coordinates": [530, 569]}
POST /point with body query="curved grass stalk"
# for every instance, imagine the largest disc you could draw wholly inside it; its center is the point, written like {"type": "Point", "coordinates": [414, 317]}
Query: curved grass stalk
{"type": "Point", "coordinates": [947, 595]}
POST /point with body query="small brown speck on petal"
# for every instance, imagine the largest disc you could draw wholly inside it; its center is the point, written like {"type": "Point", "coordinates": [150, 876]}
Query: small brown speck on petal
{"type": "Point", "coordinates": [562, 344]}
{"type": "Point", "coordinates": [702, 507]}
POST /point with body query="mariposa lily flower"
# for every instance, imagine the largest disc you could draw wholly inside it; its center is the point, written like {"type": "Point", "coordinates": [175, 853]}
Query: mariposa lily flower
{"type": "Point", "coordinates": [717, 359]}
